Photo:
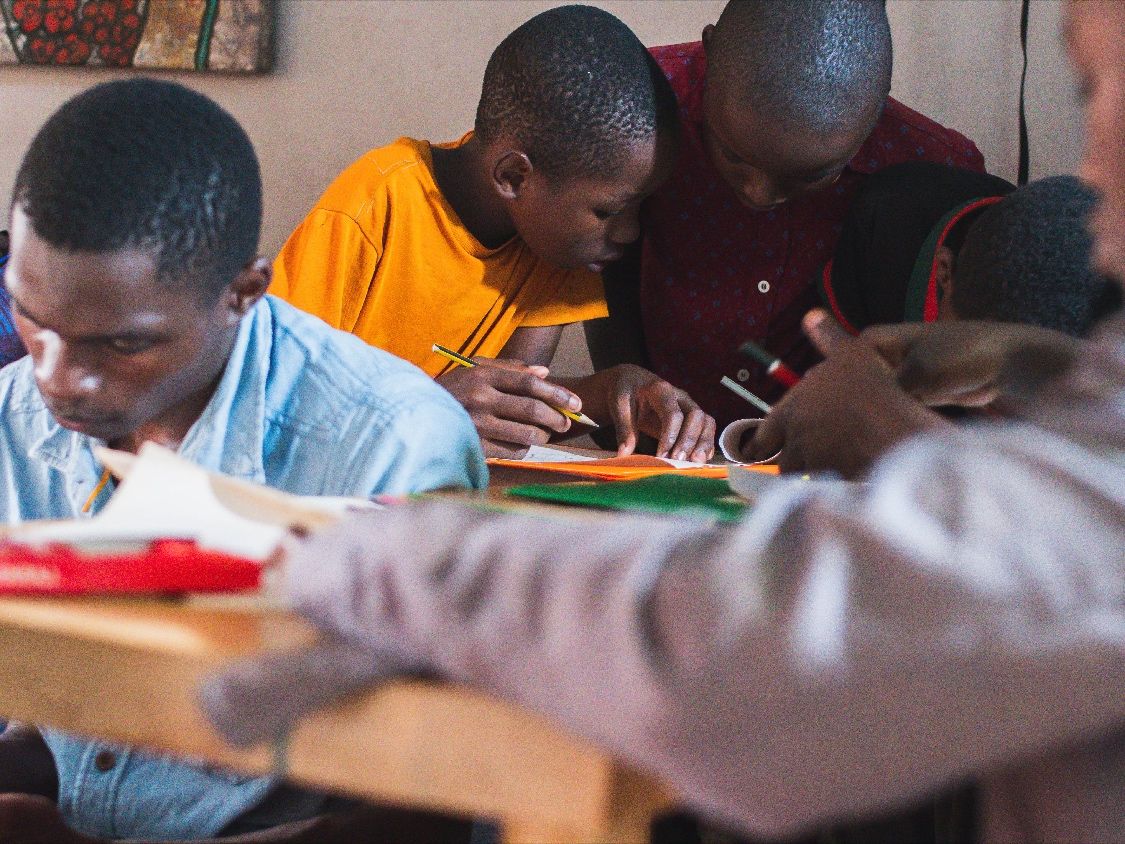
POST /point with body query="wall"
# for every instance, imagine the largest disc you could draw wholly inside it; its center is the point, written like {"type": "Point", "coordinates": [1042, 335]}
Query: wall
{"type": "Point", "coordinates": [354, 74]}
{"type": "Point", "coordinates": [959, 62]}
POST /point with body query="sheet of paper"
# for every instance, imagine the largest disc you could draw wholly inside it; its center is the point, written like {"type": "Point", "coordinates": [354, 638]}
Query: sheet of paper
{"type": "Point", "coordinates": [545, 454]}
{"type": "Point", "coordinates": [164, 496]}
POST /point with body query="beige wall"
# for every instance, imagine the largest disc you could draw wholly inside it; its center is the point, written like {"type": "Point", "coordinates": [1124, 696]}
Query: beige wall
{"type": "Point", "coordinates": [354, 74]}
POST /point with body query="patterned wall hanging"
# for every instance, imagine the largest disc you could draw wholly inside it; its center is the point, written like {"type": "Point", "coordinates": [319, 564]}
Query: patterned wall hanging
{"type": "Point", "coordinates": [234, 36]}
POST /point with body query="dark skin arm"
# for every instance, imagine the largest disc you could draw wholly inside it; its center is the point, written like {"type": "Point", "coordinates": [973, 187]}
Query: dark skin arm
{"type": "Point", "coordinates": [972, 364]}
{"type": "Point", "coordinates": [875, 390]}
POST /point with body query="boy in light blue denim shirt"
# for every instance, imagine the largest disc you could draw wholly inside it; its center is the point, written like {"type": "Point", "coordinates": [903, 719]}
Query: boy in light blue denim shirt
{"type": "Point", "coordinates": [137, 291]}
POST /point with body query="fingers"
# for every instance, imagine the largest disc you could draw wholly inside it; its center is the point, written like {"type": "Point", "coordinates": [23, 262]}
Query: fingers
{"type": "Point", "coordinates": [824, 332]}
{"type": "Point", "coordinates": [529, 411]}
{"type": "Point", "coordinates": [665, 404]}
{"type": "Point", "coordinates": [685, 431]}
{"type": "Point", "coordinates": [511, 404]}
{"type": "Point", "coordinates": [692, 443]}
{"type": "Point", "coordinates": [893, 342]}
{"type": "Point", "coordinates": [705, 447]}
{"type": "Point", "coordinates": [623, 414]}
{"type": "Point", "coordinates": [644, 403]}
{"type": "Point", "coordinates": [769, 437]}
{"type": "Point", "coordinates": [514, 365]}
{"type": "Point", "coordinates": [526, 384]}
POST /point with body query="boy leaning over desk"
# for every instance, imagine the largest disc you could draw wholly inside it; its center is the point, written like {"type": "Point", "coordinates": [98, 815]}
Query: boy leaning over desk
{"type": "Point", "coordinates": [136, 287]}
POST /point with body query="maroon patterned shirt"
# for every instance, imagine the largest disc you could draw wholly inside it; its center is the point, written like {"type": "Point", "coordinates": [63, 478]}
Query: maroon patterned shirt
{"type": "Point", "coordinates": [714, 273]}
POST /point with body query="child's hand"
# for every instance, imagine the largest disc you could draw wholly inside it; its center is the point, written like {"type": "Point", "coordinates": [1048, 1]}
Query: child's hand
{"type": "Point", "coordinates": [963, 363]}
{"type": "Point", "coordinates": [511, 404]}
{"type": "Point", "coordinates": [844, 413]}
{"type": "Point", "coordinates": [641, 402]}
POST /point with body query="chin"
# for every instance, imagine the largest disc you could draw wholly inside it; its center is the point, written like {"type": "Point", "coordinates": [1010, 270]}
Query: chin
{"type": "Point", "coordinates": [100, 429]}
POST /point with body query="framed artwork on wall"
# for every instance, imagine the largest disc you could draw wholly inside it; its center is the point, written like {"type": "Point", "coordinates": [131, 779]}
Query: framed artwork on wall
{"type": "Point", "coordinates": [231, 36]}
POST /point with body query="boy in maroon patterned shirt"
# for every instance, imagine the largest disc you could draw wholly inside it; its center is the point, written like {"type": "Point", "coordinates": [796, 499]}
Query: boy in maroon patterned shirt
{"type": "Point", "coordinates": [784, 111]}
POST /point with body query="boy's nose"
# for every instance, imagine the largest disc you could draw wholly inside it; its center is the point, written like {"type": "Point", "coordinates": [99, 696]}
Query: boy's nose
{"type": "Point", "coordinates": [760, 191]}
{"type": "Point", "coordinates": [626, 228]}
{"type": "Point", "coordinates": [62, 379]}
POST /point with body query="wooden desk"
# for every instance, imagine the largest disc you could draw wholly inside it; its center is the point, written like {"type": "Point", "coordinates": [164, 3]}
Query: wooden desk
{"type": "Point", "coordinates": [129, 670]}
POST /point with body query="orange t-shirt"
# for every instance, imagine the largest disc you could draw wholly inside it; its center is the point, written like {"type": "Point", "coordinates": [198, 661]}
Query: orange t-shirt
{"type": "Point", "coordinates": [385, 257]}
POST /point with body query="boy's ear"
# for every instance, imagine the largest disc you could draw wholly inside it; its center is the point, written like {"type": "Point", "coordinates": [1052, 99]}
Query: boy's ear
{"type": "Point", "coordinates": [943, 278]}
{"type": "Point", "coordinates": [708, 31]}
{"type": "Point", "coordinates": [510, 175]}
{"type": "Point", "coordinates": [249, 286]}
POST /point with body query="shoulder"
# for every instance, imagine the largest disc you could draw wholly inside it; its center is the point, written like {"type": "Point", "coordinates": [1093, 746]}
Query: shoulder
{"type": "Point", "coordinates": [685, 66]}
{"type": "Point", "coordinates": [372, 422]}
{"type": "Point", "coordinates": [903, 134]}
{"type": "Point", "coordinates": [331, 384]}
{"type": "Point", "coordinates": [368, 183]}
{"type": "Point", "coordinates": [939, 143]}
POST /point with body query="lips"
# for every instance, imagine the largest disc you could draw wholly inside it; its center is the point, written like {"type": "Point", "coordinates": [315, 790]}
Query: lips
{"type": "Point", "coordinates": [599, 265]}
{"type": "Point", "coordinates": [761, 209]}
{"type": "Point", "coordinates": [83, 424]}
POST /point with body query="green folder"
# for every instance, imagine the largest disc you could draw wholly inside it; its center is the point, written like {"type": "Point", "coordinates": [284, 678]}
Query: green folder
{"type": "Point", "coordinates": [709, 498]}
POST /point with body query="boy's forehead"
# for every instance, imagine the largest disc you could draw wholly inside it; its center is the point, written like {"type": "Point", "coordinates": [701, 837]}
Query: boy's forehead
{"type": "Point", "coordinates": [642, 165]}
{"type": "Point", "coordinates": [87, 292]}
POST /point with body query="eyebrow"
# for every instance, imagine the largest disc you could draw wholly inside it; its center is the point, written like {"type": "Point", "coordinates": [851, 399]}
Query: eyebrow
{"type": "Point", "coordinates": [17, 305]}
{"type": "Point", "coordinates": [84, 338]}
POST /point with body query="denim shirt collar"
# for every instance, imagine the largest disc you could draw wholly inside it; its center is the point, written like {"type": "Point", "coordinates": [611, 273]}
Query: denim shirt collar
{"type": "Point", "coordinates": [228, 436]}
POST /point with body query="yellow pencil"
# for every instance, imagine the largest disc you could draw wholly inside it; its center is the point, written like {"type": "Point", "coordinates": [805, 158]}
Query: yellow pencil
{"type": "Point", "coordinates": [461, 360]}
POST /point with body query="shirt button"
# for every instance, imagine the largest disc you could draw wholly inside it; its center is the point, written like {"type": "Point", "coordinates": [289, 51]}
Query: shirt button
{"type": "Point", "coordinates": [743, 375]}
{"type": "Point", "coordinates": [105, 761]}
{"type": "Point", "coordinates": [763, 286]}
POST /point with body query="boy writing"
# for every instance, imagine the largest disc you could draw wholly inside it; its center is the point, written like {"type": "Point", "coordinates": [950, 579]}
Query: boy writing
{"type": "Point", "coordinates": [136, 288]}
{"type": "Point", "coordinates": [492, 244]}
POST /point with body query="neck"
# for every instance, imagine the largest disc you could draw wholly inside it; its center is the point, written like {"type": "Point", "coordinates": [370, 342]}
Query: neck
{"type": "Point", "coordinates": [462, 177]}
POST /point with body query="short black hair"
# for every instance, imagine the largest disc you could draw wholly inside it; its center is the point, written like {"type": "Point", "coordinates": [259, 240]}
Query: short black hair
{"type": "Point", "coordinates": [151, 165]}
{"type": "Point", "coordinates": [1027, 259]}
{"type": "Point", "coordinates": [816, 65]}
{"type": "Point", "coordinates": [576, 88]}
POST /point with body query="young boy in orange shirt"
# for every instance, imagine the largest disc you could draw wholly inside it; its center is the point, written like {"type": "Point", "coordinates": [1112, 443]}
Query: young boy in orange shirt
{"type": "Point", "coordinates": [492, 244]}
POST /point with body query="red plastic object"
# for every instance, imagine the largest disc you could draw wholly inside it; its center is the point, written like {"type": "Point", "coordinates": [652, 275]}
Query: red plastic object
{"type": "Point", "coordinates": [162, 567]}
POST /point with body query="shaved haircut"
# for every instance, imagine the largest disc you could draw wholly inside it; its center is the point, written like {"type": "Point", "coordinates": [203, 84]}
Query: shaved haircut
{"type": "Point", "coordinates": [814, 65]}
{"type": "Point", "coordinates": [577, 89]}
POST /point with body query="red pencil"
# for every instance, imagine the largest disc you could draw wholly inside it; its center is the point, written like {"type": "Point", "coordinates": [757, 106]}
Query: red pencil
{"type": "Point", "coordinates": [775, 366]}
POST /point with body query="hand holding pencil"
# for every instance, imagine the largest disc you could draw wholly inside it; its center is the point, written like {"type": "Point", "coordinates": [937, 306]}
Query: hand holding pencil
{"type": "Point", "coordinates": [512, 404]}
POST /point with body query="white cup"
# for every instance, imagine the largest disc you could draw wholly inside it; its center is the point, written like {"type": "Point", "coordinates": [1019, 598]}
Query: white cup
{"type": "Point", "coordinates": [730, 441]}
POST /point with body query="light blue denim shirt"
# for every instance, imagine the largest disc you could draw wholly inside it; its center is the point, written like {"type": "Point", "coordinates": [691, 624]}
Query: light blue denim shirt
{"type": "Point", "coordinates": [301, 407]}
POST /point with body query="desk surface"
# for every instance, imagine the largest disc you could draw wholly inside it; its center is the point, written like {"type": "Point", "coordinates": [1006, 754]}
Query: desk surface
{"type": "Point", "coordinates": [129, 670]}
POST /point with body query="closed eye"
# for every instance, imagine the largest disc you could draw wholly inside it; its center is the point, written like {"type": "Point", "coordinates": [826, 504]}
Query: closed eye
{"type": "Point", "coordinates": [606, 213]}
{"type": "Point", "coordinates": [130, 345]}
